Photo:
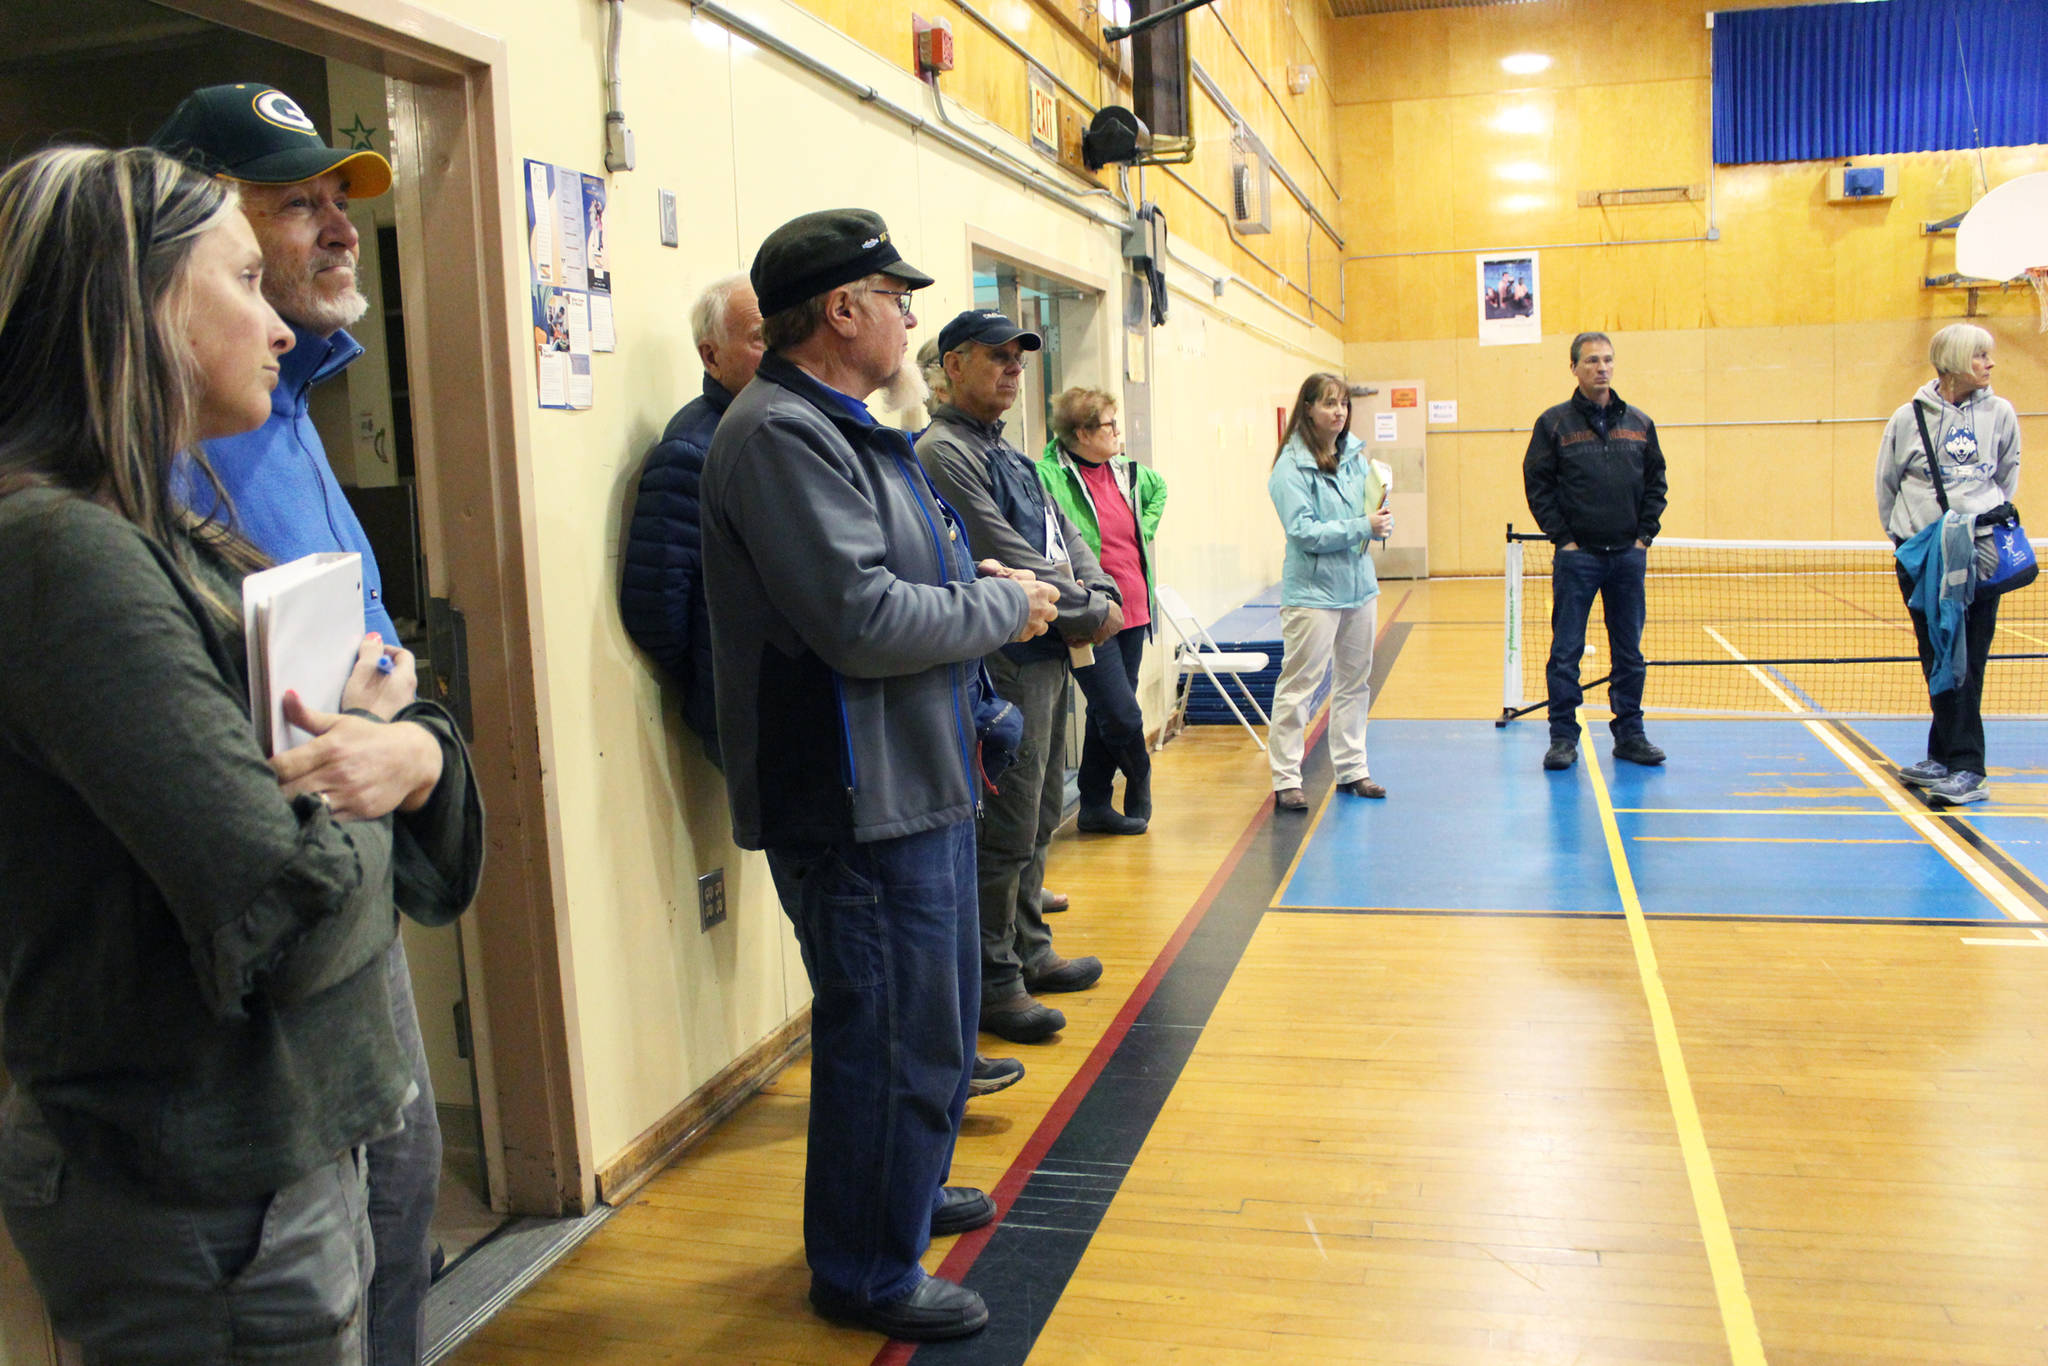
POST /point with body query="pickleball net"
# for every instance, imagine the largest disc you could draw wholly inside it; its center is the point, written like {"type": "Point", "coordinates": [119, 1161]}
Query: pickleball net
{"type": "Point", "coordinates": [1794, 630]}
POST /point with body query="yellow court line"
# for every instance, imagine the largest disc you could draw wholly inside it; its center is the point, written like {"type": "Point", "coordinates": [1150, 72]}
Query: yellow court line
{"type": "Point", "coordinates": [1315, 818]}
{"type": "Point", "coordinates": [1751, 839]}
{"type": "Point", "coordinates": [1738, 1316]}
{"type": "Point", "coordinates": [2015, 631]}
{"type": "Point", "coordinates": [1755, 811]}
{"type": "Point", "coordinates": [1926, 826]}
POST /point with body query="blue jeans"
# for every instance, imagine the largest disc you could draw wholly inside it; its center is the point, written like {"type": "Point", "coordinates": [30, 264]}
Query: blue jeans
{"type": "Point", "coordinates": [1617, 577]}
{"type": "Point", "coordinates": [405, 1181]}
{"type": "Point", "coordinates": [890, 938]}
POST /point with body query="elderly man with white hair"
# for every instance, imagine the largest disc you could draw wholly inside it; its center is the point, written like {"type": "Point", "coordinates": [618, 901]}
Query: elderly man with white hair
{"type": "Point", "coordinates": [661, 597]}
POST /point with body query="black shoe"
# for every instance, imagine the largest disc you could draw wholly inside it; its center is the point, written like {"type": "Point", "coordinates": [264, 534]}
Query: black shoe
{"type": "Point", "coordinates": [1021, 1020]}
{"type": "Point", "coordinates": [934, 1311]}
{"type": "Point", "coordinates": [1107, 820]}
{"type": "Point", "coordinates": [1064, 974]}
{"type": "Point", "coordinates": [992, 1075]}
{"type": "Point", "coordinates": [963, 1210]}
{"type": "Point", "coordinates": [1562, 754]}
{"type": "Point", "coordinates": [1638, 750]}
{"type": "Point", "coordinates": [1136, 762]}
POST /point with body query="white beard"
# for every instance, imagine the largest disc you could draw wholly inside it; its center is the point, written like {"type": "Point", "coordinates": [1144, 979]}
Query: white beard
{"type": "Point", "coordinates": [905, 393]}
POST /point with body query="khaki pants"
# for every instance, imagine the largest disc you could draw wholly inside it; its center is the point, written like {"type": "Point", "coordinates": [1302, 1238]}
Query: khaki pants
{"type": "Point", "coordinates": [1314, 638]}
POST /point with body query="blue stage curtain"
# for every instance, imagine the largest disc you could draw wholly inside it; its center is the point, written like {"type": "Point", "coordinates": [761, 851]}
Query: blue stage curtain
{"type": "Point", "coordinates": [1815, 82]}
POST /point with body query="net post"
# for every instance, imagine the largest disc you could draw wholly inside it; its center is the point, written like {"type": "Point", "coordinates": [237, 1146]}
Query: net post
{"type": "Point", "coordinates": [1511, 629]}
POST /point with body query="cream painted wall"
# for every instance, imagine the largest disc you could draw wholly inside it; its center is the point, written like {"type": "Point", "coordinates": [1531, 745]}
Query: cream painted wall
{"type": "Point", "coordinates": [747, 141]}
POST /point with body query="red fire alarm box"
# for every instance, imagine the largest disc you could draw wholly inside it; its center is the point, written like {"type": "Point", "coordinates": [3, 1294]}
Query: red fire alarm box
{"type": "Point", "coordinates": [934, 38]}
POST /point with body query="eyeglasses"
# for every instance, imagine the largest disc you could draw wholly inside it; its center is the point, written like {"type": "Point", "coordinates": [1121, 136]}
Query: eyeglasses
{"type": "Point", "coordinates": [901, 296]}
{"type": "Point", "coordinates": [1107, 424]}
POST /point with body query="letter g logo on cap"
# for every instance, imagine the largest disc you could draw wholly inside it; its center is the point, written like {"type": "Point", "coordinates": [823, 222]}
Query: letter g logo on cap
{"type": "Point", "coordinates": [277, 107]}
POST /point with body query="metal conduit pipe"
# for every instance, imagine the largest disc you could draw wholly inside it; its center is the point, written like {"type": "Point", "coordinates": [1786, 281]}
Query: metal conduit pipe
{"type": "Point", "coordinates": [1273, 95]}
{"type": "Point", "coordinates": [939, 103]}
{"type": "Point", "coordinates": [1239, 242]}
{"type": "Point", "coordinates": [1011, 43]}
{"type": "Point", "coordinates": [1343, 303]}
{"type": "Point", "coordinates": [1229, 111]}
{"type": "Point", "coordinates": [868, 94]}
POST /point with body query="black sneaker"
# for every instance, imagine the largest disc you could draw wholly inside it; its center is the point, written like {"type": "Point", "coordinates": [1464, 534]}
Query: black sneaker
{"type": "Point", "coordinates": [1021, 1020]}
{"type": "Point", "coordinates": [992, 1075]}
{"type": "Point", "coordinates": [1562, 754]}
{"type": "Point", "coordinates": [1638, 750]}
{"type": "Point", "coordinates": [934, 1311]}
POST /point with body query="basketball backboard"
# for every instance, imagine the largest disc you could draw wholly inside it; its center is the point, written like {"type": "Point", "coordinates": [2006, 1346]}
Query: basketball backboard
{"type": "Point", "coordinates": [2006, 233]}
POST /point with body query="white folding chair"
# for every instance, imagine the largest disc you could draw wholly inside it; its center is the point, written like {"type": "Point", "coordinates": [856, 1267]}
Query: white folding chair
{"type": "Point", "coordinates": [1199, 653]}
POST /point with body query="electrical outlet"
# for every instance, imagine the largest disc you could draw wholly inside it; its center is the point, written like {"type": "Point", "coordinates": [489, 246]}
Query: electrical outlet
{"type": "Point", "coordinates": [711, 899]}
{"type": "Point", "coordinates": [668, 218]}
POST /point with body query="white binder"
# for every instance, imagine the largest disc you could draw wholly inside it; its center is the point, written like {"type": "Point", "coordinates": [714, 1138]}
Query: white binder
{"type": "Point", "coordinates": [304, 625]}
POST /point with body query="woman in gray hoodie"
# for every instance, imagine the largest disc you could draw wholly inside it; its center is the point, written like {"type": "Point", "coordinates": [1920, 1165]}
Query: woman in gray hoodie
{"type": "Point", "coordinates": [1976, 436]}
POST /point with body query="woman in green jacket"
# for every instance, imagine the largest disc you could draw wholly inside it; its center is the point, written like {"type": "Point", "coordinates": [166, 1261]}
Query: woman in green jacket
{"type": "Point", "coordinates": [1116, 503]}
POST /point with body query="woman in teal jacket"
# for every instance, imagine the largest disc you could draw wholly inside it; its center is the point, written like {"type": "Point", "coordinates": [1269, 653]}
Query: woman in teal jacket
{"type": "Point", "coordinates": [1331, 504]}
{"type": "Point", "coordinates": [1116, 505]}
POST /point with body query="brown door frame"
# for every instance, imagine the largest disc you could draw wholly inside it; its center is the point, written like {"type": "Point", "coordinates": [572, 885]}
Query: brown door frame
{"type": "Point", "coordinates": [452, 148]}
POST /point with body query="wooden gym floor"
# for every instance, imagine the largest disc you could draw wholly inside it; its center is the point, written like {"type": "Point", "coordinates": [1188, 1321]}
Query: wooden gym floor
{"type": "Point", "coordinates": [1734, 1061]}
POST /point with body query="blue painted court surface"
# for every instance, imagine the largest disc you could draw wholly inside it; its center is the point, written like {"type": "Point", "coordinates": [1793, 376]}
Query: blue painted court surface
{"type": "Point", "coordinates": [1748, 818]}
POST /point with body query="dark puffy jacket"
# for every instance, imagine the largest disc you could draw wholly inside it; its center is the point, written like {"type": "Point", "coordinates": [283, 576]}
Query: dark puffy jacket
{"type": "Point", "coordinates": [661, 596]}
{"type": "Point", "coordinates": [1599, 492]}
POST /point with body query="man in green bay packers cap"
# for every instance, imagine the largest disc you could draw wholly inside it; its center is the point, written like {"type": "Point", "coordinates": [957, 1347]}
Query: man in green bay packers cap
{"type": "Point", "coordinates": [295, 190]}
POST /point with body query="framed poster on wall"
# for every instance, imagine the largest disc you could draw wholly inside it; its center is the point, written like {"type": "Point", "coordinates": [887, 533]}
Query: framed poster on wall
{"type": "Point", "coordinates": [1510, 299]}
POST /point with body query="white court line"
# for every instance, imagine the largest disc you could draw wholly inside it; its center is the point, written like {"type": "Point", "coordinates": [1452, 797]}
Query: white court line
{"type": "Point", "coordinates": [1929, 829]}
{"type": "Point", "coordinates": [2039, 940]}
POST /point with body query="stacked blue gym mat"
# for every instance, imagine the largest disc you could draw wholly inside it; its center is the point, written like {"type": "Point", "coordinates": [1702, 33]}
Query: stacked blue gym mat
{"type": "Point", "coordinates": [1254, 626]}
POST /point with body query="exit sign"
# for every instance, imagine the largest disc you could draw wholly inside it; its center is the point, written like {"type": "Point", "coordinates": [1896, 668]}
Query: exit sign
{"type": "Point", "coordinates": [1045, 114]}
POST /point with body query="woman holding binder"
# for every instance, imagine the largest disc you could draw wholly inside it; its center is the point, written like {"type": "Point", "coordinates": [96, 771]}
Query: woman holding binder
{"type": "Point", "coordinates": [191, 937]}
{"type": "Point", "coordinates": [1330, 504]}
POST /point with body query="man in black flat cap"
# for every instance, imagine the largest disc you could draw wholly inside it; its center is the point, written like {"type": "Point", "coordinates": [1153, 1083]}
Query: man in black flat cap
{"type": "Point", "coordinates": [295, 191]}
{"type": "Point", "coordinates": [846, 622]}
{"type": "Point", "coordinates": [1011, 519]}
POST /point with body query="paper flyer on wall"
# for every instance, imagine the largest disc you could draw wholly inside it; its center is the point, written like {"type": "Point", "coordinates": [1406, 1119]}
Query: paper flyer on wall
{"type": "Point", "coordinates": [559, 279]}
{"type": "Point", "coordinates": [1510, 300]}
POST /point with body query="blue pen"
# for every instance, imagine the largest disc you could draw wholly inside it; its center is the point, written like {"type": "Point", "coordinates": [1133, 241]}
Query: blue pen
{"type": "Point", "coordinates": [385, 664]}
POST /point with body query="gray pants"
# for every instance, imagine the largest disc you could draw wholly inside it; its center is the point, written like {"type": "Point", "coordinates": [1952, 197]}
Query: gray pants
{"type": "Point", "coordinates": [140, 1281]}
{"type": "Point", "coordinates": [405, 1181]}
{"type": "Point", "coordinates": [1017, 825]}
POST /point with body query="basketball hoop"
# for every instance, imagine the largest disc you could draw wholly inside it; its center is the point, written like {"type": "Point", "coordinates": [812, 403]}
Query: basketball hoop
{"type": "Point", "coordinates": [2037, 276]}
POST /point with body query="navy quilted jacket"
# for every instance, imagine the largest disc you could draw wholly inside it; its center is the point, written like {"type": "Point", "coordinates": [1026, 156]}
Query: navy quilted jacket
{"type": "Point", "coordinates": [661, 596]}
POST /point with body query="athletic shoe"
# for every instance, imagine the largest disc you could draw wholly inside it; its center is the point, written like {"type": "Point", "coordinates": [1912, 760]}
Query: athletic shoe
{"type": "Point", "coordinates": [992, 1075]}
{"type": "Point", "coordinates": [1926, 773]}
{"type": "Point", "coordinates": [1050, 902]}
{"type": "Point", "coordinates": [1562, 754]}
{"type": "Point", "coordinates": [1959, 788]}
{"type": "Point", "coordinates": [933, 1311]}
{"type": "Point", "coordinates": [1638, 750]}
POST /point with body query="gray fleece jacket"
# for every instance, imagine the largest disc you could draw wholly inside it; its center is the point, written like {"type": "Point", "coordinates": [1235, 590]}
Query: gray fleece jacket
{"type": "Point", "coordinates": [1978, 442]}
{"type": "Point", "coordinates": [843, 632]}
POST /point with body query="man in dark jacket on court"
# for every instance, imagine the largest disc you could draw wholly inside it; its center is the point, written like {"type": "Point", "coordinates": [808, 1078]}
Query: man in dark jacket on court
{"type": "Point", "coordinates": [661, 597]}
{"type": "Point", "coordinates": [1594, 475]}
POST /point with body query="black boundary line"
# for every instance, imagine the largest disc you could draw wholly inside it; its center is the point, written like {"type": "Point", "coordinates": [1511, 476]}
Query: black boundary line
{"type": "Point", "coordinates": [1027, 1263]}
{"type": "Point", "coordinates": [1959, 825]}
{"type": "Point", "coordinates": [1025, 1267]}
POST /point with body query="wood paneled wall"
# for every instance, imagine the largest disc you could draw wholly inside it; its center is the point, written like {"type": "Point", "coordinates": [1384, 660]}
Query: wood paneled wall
{"type": "Point", "coordinates": [1798, 310]}
{"type": "Point", "coordinates": [1245, 45]}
